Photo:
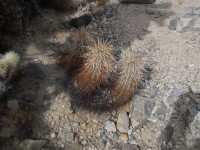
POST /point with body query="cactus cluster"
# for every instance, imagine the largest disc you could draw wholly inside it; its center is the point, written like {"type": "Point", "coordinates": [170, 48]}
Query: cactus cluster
{"type": "Point", "coordinates": [101, 82]}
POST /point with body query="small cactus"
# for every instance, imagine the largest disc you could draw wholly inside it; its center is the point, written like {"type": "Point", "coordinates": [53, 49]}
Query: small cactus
{"type": "Point", "coordinates": [80, 40]}
{"type": "Point", "coordinates": [97, 67]}
{"type": "Point", "coordinates": [10, 60]}
{"type": "Point", "coordinates": [130, 75]}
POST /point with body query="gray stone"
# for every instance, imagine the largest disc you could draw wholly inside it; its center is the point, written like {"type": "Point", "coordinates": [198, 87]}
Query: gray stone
{"type": "Point", "coordinates": [50, 53]}
{"type": "Point", "coordinates": [123, 122]}
{"type": "Point", "coordinates": [13, 104]}
{"type": "Point", "coordinates": [110, 126]}
{"type": "Point", "coordinates": [74, 147]}
{"type": "Point", "coordinates": [53, 135]}
{"type": "Point", "coordinates": [66, 21]}
{"type": "Point", "coordinates": [173, 24]}
{"type": "Point", "coordinates": [130, 147]}
{"type": "Point", "coordinates": [32, 144]}
{"type": "Point", "coordinates": [195, 88]}
{"type": "Point", "coordinates": [83, 142]}
{"type": "Point", "coordinates": [177, 93]}
{"type": "Point", "coordinates": [183, 24]}
{"type": "Point", "coordinates": [161, 110]}
{"type": "Point", "coordinates": [156, 11]}
{"type": "Point", "coordinates": [51, 89]}
{"type": "Point", "coordinates": [69, 137]}
{"type": "Point", "coordinates": [103, 137]}
{"type": "Point", "coordinates": [137, 1]}
{"type": "Point", "coordinates": [195, 126]}
{"type": "Point", "coordinates": [141, 110]}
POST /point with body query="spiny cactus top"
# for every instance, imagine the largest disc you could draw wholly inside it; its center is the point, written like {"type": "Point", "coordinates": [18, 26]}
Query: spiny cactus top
{"type": "Point", "coordinates": [130, 74]}
{"type": "Point", "coordinates": [97, 67]}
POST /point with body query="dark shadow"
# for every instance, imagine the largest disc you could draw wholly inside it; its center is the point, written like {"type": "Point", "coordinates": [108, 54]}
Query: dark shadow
{"type": "Point", "coordinates": [178, 130]}
{"type": "Point", "coordinates": [31, 88]}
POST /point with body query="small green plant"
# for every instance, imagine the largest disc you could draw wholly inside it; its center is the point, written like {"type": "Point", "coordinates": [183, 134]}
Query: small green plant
{"type": "Point", "coordinates": [97, 67]}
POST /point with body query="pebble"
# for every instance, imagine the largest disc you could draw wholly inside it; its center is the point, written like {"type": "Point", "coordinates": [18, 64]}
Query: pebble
{"type": "Point", "coordinates": [123, 122]}
{"type": "Point", "coordinates": [13, 104]}
{"type": "Point", "coordinates": [53, 135]}
{"type": "Point", "coordinates": [50, 53]}
{"type": "Point", "coordinates": [51, 89]}
{"type": "Point", "coordinates": [110, 126]}
{"type": "Point", "coordinates": [123, 137]}
{"type": "Point", "coordinates": [195, 88]}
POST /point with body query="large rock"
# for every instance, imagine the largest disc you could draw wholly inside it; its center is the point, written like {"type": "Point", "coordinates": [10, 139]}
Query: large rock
{"type": "Point", "coordinates": [195, 126]}
{"type": "Point", "coordinates": [189, 22]}
{"type": "Point", "coordinates": [141, 110]}
{"type": "Point", "coordinates": [32, 144]}
{"type": "Point", "coordinates": [123, 122]}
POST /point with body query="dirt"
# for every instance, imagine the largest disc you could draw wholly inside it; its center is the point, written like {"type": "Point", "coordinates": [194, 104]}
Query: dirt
{"type": "Point", "coordinates": [173, 57]}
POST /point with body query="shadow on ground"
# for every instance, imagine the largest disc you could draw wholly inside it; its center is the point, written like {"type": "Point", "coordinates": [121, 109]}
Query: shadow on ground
{"type": "Point", "coordinates": [177, 134]}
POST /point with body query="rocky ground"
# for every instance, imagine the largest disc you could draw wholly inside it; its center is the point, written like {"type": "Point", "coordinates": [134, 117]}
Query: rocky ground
{"type": "Point", "coordinates": [164, 114]}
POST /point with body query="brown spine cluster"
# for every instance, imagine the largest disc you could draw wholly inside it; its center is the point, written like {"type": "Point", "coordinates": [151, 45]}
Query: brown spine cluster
{"type": "Point", "coordinates": [101, 2]}
{"type": "Point", "coordinates": [97, 67]}
{"type": "Point", "coordinates": [129, 77]}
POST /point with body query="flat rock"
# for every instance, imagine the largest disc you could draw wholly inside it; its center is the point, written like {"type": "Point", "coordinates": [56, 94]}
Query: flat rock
{"type": "Point", "coordinates": [137, 1]}
{"type": "Point", "coordinates": [123, 137]}
{"type": "Point", "coordinates": [74, 147]}
{"type": "Point", "coordinates": [156, 11]}
{"type": "Point", "coordinates": [81, 19]}
{"type": "Point", "coordinates": [190, 21]}
{"type": "Point", "coordinates": [195, 126]}
{"type": "Point", "coordinates": [141, 110]}
{"type": "Point", "coordinates": [123, 122]}
{"type": "Point", "coordinates": [130, 147]}
{"type": "Point", "coordinates": [110, 126]}
{"type": "Point", "coordinates": [195, 88]}
{"type": "Point", "coordinates": [13, 104]}
{"type": "Point", "coordinates": [32, 144]}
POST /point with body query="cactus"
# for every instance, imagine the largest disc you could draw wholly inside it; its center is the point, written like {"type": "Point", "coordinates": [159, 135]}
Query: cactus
{"type": "Point", "coordinates": [97, 67]}
{"type": "Point", "coordinates": [130, 75]}
{"type": "Point", "coordinates": [80, 40]}
{"type": "Point", "coordinates": [101, 2]}
{"type": "Point", "coordinates": [10, 60]}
